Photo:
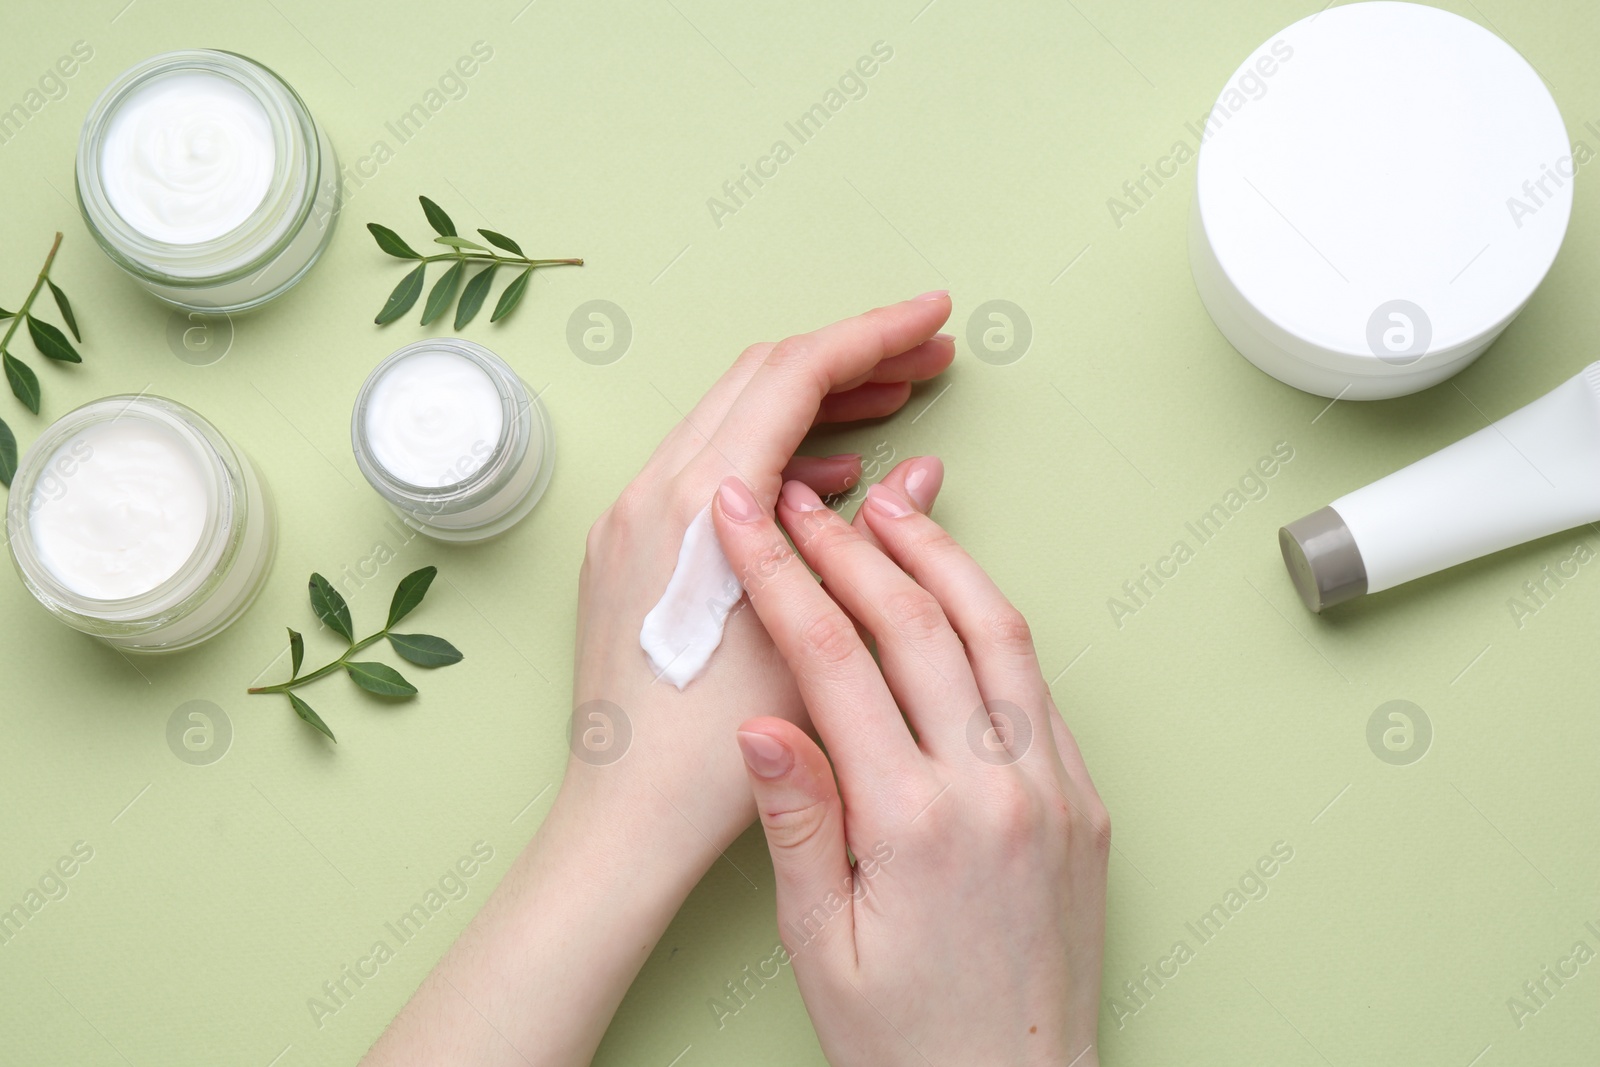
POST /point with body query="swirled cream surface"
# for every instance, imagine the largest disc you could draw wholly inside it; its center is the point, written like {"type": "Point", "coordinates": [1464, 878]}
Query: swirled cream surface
{"type": "Point", "coordinates": [434, 419]}
{"type": "Point", "coordinates": [187, 157]}
{"type": "Point", "coordinates": [121, 510]}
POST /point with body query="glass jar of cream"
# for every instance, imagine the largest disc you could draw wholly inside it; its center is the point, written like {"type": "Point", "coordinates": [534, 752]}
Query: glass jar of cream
{"type": "Point", "coordinates": [448, 434]}
{"type": "Point", "coordinates": [135, 520]}
{"type": "Point", "coordinates": [204, 177]}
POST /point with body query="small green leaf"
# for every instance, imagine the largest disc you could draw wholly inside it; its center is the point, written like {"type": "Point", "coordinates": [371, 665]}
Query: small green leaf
{"type": "Point", "coordinates": [437, 218]}
{"type": "Point", "coordinates": [409, 593]}
{"type": "Point", "coordinates": [391, 243]}
{"type": "Point", "coordinates": [473, 295]}
{"type": "Point", "coordinates": [66, 309]}
{"type": "Point", "coordinates": [302, 709]}
{"type": "Point", "coordinates": [380, 678]}
{"type": "Point", "coordinates": [459, 242]}
{"type": "Point", "coordinates": [331, 608]}
{"type": "Point", "coordinates": [512, 296]}
{"type": "Point", "coordinates": [4, 314]}
{"type": "Point", "coordinates": [8, 454]}
{"type": "Point", "coordinates": [425, 650]}
{"type": "Point", "coordinates": [443, 293]}
{"type": "Point", "coordinates": [23, 381]}
{"type": "Point", "coordinates": [51, 342]}
{"type": "Point", "coordinates": [297, 654]}
{"type": "Point", "coordinates": [405, 294]}
{"type": "Point", "coordinates": [501, 241]}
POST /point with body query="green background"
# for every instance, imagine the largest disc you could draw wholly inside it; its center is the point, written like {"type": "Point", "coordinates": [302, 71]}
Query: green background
{"type": "Point", "coordinates": [1218, 720]}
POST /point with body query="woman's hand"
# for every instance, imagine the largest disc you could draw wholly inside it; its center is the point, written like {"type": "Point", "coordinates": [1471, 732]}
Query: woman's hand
{"type": "Point", "coordinates": [679, 774]}
{"type": "Point", "coordinates": [971, 927]}
{"type": "Point", "coordinates": [654, 790]}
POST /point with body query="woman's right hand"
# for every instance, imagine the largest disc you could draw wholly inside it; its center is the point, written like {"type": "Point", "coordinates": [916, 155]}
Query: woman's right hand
{"type": "Point", "coordinates": [970, 929]}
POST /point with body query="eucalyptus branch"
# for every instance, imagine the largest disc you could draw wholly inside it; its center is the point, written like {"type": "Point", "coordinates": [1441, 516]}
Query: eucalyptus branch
{"type": "Point", "coordinates": [463, 250]}
{"type": "Point", "coordinates": [48, 339]}
{"type": "Point", "coordinates": [424, 650]}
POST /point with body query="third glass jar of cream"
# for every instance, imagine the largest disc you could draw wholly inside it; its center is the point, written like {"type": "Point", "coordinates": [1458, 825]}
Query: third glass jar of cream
{"type": "Point", "coordinates": [204, 177]}
{"type": "Point", "coordinates": [448, 434]}
{"type": "Point", "coordinates": [137, 521]}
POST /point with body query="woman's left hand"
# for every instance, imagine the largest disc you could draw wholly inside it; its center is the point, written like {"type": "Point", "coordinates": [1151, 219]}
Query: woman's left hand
{"type": "Point", "coordinates": [678, 764]}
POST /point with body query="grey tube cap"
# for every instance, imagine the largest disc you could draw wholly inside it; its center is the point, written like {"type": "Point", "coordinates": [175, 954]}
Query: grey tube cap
{"type": "Point", "coordinates": [1323, 560]}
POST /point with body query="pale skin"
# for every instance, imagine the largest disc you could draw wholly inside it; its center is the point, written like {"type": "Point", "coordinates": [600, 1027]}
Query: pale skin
{"type": "Point", "coordinates": [979, 939]}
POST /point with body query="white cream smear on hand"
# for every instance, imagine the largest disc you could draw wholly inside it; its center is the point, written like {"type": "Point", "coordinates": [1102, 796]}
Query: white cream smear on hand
{"type": "Point", "coordinates": [128, 515]}
{"type": "Point", "coordinates": [433, 419]}
{"type": "Point", "coordinates": [188, 157]}
{"type": "Point", "coordinates": [685, 627]}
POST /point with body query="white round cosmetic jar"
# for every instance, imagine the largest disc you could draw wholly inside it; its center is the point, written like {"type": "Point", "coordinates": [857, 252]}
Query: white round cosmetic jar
{"type": "Point", "coordinates": [457, 444]}
{"type": "Point", "coordinates": [1379, 191]}
{"type": "Point", "coordinates": [135, 520]}
{"type": "Point", "coordinates": [204, 177]}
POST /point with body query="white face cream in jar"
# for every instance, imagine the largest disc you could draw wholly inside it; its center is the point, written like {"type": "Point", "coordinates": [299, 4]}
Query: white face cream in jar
{"type": "Point", "coordinates": [448, 434]}
{"type": "Point", "coordinates": [135, 520]}
{"type": "Point", "coordinates": [203, 176]}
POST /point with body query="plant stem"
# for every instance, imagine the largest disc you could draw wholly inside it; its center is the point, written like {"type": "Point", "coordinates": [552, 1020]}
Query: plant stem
{"type": "Point", "coordinates": [489, 257]}
{"type": "Point", "coordinates": [38, 283]}
{"type": "Point", "coordinates": [321, 672]}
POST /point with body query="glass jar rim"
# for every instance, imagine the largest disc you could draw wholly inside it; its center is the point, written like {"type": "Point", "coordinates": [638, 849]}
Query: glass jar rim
{"type": "Point", "coordinates": [270, 227]}
{"type": "Point", "coordinates": [483, 481]}
{"type": "Point", "coordinates": [191, 576]}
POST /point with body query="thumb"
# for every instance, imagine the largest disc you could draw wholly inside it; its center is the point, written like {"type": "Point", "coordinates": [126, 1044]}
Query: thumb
{"type": "Point", "coordinates": [804, 823]}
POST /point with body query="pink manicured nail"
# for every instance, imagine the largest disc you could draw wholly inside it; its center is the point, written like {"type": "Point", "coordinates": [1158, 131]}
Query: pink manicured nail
{"type": "Point", "coordinates": [924, 475]}
{"type": "Point", "coordinates": [937, 294]}
{"type": "Point", "coordinates": [737, 503]}
{"type": "Point", "coordinates": [941, 336]}
{"type": "Point", "coordinates": [886, 503]}
{"type": "Point", "coordinates": [765, 755]}
{"type": "Point", "coordinates": [797, 496]}
{"type": "Point", "coordinates": [845, 455]}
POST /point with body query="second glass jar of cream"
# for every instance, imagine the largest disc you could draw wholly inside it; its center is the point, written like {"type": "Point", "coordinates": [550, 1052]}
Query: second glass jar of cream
{"type": "Point", "coordinates": [203, 176]}
{"type": "Point", "coordinates": [448, 434]}
{"type": "Point", "coordinates": [135, 520]}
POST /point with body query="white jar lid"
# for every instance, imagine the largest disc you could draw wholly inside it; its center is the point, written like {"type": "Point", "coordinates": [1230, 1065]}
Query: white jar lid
{"type": "Point", "coordinates": [1380, 189]}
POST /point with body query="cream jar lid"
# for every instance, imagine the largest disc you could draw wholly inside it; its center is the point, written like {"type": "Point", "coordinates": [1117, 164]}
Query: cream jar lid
{"type": "Point", "coordinates": [1380, 189]}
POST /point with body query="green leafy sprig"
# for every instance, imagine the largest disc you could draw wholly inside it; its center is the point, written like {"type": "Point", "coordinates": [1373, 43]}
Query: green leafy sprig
{"type": "Point", "coordinates": [424, 650]}
{"type": "Point", "coordinates": [51, 343]}
{"type": "Point", "coordinates": [462, 252]}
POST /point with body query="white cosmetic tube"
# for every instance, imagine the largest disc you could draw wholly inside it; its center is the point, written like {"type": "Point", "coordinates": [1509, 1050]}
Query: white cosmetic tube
{"type": "Point", "coordinates": [1534, 473]}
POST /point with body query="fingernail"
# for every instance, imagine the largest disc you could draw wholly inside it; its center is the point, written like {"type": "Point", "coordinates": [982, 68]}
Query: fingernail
{"type": "Point", "coordinates": [797, 496]}
{"type": "Point", "coordinates": [845, 455]}
{"type": "Point", "coordinates": [736, 501]}
{"type": "Point", "coordinates": [765, 755]}
{"type": "Point", "coordinates": [941, 336]}
{"type": "Point", "coordinates": [885, 503]}
{"type": "Point", "coordinates": [937, 294]}
{"type": "Point", "coordinates": [923, 477]}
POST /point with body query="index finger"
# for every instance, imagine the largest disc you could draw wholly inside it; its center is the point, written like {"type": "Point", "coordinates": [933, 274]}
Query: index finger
{"type": "Point", "coordinates": [849, 701]}
{"type": "Point", "coordinates": [776, 408]}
